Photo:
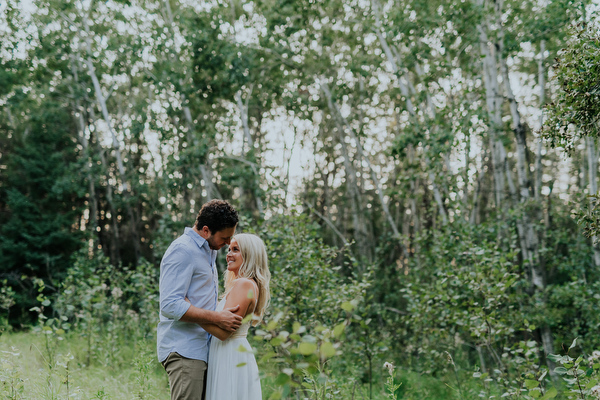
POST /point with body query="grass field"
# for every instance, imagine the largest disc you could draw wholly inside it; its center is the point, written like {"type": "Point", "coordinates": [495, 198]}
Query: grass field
{"type": "Point", "coordinates": [32, 368]}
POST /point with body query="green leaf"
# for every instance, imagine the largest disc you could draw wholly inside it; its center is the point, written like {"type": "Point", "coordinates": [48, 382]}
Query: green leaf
{"type": "Point", "coordinates": [535, 393]}
{"type": "Point", "coordinates": [339, 329]}
{"type": "Point", "coordinates": [530, 383]}
{"type": "Point", "coordinates": [275, 396]}
{"type": "Point", "coordinates": [282, 379]}
{"type": "Point", "coordinates": [271, 325]}
{"type": "Point", "coordinates": [296, 327]}
{"type": "Point", "coordinates": [306, 348]}
{"type": "Point", "coordinates": [561, 370]}
{"type": "Point", "coordinates": [591, 384]}
{"type": "Point", "coordinates": [550, 394]}
{"type": "Point", "coordinates": [554, 357]}
{"type": "Point", "coordinates": [241, 364]}
{"type": "Point", "coordinates": [327, 350]}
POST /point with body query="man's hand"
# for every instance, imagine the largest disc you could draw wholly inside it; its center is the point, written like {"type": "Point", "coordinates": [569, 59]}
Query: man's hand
{"type": "Point", "coordinates": [229, 321]}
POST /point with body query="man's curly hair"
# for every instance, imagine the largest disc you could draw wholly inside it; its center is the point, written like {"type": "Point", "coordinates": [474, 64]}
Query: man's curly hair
{"type": "Point", "coordinates": [217, 215]}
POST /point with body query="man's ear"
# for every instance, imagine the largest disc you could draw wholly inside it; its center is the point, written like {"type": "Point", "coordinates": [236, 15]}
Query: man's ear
{"type": "Point", "coordinates": [204, 232]}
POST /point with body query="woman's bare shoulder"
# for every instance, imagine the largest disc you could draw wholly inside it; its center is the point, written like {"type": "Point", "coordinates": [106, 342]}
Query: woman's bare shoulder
{"type": "Point", "coordinates": [245, 284]}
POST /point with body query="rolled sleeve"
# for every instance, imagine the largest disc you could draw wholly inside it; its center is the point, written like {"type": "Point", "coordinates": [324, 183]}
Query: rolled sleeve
{"type": "Point", "coordinates": [176, 273]}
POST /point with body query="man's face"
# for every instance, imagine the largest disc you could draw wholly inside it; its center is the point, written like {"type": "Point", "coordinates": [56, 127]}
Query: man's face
{"type": "Point", "coordinates": [220, 238]}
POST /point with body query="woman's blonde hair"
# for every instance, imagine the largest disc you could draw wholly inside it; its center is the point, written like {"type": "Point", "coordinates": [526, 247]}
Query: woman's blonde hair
{"type": "Point", "coordinates": [254, 266]}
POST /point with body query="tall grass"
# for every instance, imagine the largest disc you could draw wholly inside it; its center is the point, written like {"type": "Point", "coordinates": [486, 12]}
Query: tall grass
{"type": "Point", "coordinates": [26, 372]}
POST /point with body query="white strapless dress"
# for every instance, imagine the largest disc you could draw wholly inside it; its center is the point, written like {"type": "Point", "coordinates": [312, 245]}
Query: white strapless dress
{"type": "Point", "coordinates": [232, 369]}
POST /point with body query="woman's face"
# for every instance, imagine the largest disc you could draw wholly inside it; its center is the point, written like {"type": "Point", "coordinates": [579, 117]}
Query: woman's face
{"type": "Point", "coordinates": [234, 257]}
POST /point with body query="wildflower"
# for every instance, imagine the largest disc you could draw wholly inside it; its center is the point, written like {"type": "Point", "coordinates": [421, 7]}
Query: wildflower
{"type": "Point", "coordinates": [132, 315]}
{"type": "Point", "coordinates": [116, 292]}
{"type": "Point", "coordinates": [389, 366]}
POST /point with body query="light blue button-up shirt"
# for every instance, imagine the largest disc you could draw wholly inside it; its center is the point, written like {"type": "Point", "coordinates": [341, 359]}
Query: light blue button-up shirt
{"type": "Point", "coordinates": [187, 270]}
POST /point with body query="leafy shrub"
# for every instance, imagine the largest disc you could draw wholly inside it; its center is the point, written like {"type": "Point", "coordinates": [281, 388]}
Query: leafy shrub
{"type": "Point", "coordinates": [313, 303]}
{"type": "Point", "coordinates": [105, 303]}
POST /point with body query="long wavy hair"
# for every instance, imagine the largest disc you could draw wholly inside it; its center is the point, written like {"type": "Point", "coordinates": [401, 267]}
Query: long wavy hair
{"type": "Point", "coordinates": [254, 266]}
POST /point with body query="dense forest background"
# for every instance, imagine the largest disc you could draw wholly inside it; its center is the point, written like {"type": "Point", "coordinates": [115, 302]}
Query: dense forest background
{"type": "Point", "coordinates": [422, 171]}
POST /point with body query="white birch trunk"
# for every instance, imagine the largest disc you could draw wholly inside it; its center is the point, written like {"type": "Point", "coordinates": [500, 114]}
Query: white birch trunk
{"type": "Point", "coordinates": [526, 224]}
{"type": "Point", "coordinates": [490, 78]}
{"type": "Point", "coordinates": [78, 109]}
{"type": "Point", "coordinates": [243, 108]}
{"type": "Point", "coordinates": [593, 187]}
{"type": "Point", "coordinates": [115, 236]}
{"type": "Point", "coordinates": [519, 129]}
{"type": "Point", "coordinates": [538, 153]}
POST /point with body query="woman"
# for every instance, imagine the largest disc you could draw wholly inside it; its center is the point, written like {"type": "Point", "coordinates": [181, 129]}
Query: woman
{"type": "Point", "coordinates": [232, 369]}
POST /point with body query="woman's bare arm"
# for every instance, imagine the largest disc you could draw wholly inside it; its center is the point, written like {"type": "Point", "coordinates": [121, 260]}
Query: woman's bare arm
{"type": "Point", "coordinates": [243, 294]}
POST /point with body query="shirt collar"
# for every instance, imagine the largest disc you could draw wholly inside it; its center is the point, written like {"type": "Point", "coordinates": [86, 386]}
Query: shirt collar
{"type": "Point", "coordinates": [200, 241]}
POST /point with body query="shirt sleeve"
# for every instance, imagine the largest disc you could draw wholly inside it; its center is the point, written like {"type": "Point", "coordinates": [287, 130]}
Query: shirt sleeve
{"type": "Point", "coordinates": [176, 273]}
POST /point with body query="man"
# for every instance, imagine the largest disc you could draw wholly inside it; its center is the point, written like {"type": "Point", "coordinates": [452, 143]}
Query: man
{"type": "Point", "coordinates": [188, 272]}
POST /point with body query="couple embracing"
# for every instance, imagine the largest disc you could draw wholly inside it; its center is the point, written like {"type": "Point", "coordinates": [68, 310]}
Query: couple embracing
{"type": "Point", "coordinates": [199, 338]}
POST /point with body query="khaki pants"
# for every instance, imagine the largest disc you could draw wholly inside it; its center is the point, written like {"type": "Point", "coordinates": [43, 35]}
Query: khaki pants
{"type": "Point", "coordinates": [187, 377]}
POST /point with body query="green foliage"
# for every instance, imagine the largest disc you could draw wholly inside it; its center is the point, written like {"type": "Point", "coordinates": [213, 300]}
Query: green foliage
{"type": "Point", "coordinates": [103, 302]}
{"type": "Point", "coordinates": [41, 194]}
{"type": "Point", "coordinates": [574, 112]}
{"type": "Point", "coordinates": [312, 304]}
{"type": "Point", "coordinates": [306, 284]}
{"type": "Point", "coordinates": [444, 301]}
{"type": "Point", "coordinates": [7, 300]}
{"type": "Point", "coordinates": [581, 375]}
{"type": "Point", "coordinates": [461, 295]}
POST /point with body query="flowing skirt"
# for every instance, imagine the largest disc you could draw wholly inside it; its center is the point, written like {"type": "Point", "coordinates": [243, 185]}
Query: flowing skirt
{"type": "Point", "coordinates": [232, 371]}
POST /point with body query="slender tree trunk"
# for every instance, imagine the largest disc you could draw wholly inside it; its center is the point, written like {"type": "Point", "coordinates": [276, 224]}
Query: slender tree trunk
{"type": "Point", "coordinates": [353, 191]}
{"type": "Point", "coordinates": [538, 153]}
{"type": "Point", "coordinates": [593, 187]}
{"type": "Point", "coordinates": [78, 112]}
{"type": "Point", "coordinates": [243, 108]}
{"type": "Point", "coordinates": [114, 234]}
{"type": "Point", "coordinates": [474, 218]}
{"type": "Point", "coordinates": [115, 142]}
{"type": "Point", "coordinates": [493, 99]}
{"type": "Point", "coordinates": [526, 223]}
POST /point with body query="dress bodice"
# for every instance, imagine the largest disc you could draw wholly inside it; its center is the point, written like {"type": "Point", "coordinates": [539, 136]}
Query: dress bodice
{"type": "Point", "coordinates": [242, 331]}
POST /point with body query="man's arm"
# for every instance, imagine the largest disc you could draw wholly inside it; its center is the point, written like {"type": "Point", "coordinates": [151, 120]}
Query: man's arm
{"type": "Point", "coordinates": [226, 320]}
{"type": "Point", "coordinates": [175, 277]}
{"type": "Point", "coordinates": [243, 296]}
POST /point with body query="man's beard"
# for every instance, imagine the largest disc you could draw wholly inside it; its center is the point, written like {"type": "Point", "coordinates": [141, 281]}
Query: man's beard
{"type": "Point", "coordinates": [211, 243]}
